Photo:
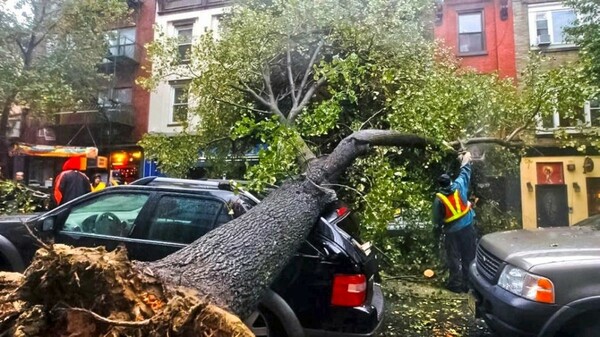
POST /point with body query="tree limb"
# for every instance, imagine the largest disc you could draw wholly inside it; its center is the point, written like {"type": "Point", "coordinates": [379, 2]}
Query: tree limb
{"type": "Point", "coordinates": [291, 77]}
{"type": "Point", "coordinates": [309, 68]}
{"type": "Point", "coordinates": [487, 140]}
{"type": "Point", "coordinates": [328, 169]}
{"type": "Point", "coordinates": [296, 111]}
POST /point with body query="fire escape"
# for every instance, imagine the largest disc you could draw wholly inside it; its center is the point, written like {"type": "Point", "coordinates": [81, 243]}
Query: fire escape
{"type": "Point", "coordinates": [107, 119]}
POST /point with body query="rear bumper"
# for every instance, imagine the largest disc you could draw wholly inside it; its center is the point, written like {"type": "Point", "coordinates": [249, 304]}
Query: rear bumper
{"type": "Point", "coordinates": [363, 321]}
{"type": "Point", "coordinates": [506, 313]}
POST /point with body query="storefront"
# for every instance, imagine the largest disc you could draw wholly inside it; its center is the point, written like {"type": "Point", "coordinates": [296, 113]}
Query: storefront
{"type": "Point", "coordinates": [125, 165]}
{"type": "Point", "coordinates": [41, 163]}
{"type": "Point", "coordinates": [559, 191]}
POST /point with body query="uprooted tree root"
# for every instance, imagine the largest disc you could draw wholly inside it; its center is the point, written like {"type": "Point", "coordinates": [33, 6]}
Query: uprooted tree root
{"type": "Point", "coordinates": [89, 292]}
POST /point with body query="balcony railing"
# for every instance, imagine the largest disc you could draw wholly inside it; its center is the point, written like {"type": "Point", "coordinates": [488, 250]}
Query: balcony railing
{"type": "Point", "coordinates": [121, 50]}
{"type": "Point", "coordinates": [117, 113]}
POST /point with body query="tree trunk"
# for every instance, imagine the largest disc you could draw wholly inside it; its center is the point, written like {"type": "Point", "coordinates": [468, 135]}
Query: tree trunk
{"type": "Point", "coordinates": [236, 262]}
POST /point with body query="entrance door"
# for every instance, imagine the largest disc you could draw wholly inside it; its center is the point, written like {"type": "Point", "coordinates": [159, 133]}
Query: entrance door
{"type": "Point", "coordinates": [551, 204]}
{"type": "Point", "coordinates": [593, 195]}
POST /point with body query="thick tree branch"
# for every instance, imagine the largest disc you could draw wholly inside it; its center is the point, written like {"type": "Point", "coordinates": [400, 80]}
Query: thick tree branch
{"type": "Point", "coordinates": [291, 77]}
{"type": "Point", "coordinates": [488, 140]}
{"type": "Point", "coordinates": [328, 169]}
{"type": "Point", "coordinates": [268, 86]}
{"type": "Point", "coordinates": [252, 93]}
{"type": "Point", "coordinates": [309, 68]}
{"type": "Point", "coordinates": [296, 111]}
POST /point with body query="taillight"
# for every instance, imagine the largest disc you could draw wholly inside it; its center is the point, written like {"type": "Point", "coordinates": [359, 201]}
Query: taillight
{"type": "Point", "coordinates": [349, 290]}
{"type": "Point", "coordinates": [342, 210]}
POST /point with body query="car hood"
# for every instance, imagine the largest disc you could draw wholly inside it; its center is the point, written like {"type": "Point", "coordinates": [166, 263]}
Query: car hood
{"type": "Point", "coordinates": [528, 248]}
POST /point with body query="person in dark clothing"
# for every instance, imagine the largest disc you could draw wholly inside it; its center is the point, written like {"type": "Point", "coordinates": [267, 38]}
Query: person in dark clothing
{"type": "Point", "coordinates": [453, 216]}
{"type": "Point", "coordinates": [70, 183]}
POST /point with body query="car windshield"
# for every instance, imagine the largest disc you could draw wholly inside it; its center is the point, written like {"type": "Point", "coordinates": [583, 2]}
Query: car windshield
{"type": "Point", "coordinates": [593, 221]}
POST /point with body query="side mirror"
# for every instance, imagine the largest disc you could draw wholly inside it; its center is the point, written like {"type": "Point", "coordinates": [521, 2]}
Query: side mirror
{"type": "Point", "coordinates": [48, 224]}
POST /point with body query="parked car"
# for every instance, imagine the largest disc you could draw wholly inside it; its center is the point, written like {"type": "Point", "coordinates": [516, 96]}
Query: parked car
{"type": "Point", "coordinates": [328, 289]}
{"type": "Point", "coordinates": [543, 282]}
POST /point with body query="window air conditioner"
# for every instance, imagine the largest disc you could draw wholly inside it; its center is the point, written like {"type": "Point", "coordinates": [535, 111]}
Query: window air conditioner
{"type": "Point", "coordinates": [543, 40]}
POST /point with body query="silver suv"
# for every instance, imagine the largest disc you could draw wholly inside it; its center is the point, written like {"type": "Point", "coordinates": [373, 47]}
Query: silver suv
{"type": "Point", "coordinates": [542, 282]}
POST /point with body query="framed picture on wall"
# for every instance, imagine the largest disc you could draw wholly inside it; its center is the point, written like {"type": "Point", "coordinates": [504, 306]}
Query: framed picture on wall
{"type": "Point", "coordinates": [550, 173]}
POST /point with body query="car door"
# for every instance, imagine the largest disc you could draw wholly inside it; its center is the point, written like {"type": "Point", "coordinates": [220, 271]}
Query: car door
{"type": "Point", "coordinates": [105, 220]}
{"type": "Point", "coordinates": [175, 221]}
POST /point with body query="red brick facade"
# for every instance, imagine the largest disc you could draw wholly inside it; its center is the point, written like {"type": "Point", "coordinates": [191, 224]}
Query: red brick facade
{"type": "Point", "coordinates": [498, 52]}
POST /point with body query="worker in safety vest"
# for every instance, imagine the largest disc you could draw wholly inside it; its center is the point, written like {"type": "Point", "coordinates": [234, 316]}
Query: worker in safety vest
{"type": "Point", "coordinates": [453, 216]}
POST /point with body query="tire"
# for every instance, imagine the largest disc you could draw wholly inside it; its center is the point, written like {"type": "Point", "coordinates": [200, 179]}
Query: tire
{"type": "Point", "coordinates": [264, 323]}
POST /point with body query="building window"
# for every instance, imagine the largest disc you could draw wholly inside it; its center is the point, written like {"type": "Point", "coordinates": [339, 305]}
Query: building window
{"type": "Point", "coordinates": [179, 107]}
{"type": "Point", "coordinates": [215, 25]}
{"type": "Point", "coordinates": [470, 33]}
{"type": "Point", "coordinates": [184, 40]}
{"type": "Point", "coordinates": [588, 116]}
{"type": "Point", "coordinates": [547, 24]}
{"type": "Point", "coordinates": [592, 110]}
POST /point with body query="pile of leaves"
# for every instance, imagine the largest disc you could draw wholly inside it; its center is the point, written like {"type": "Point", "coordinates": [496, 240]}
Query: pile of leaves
{"type": "Point", "coordinates": [91, 292]}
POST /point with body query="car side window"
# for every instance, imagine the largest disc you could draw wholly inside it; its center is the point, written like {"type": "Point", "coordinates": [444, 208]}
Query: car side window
{"type": "Point", "coordinates": [184, 219]}
{"type": "Point", "coordinates": [109, 214]}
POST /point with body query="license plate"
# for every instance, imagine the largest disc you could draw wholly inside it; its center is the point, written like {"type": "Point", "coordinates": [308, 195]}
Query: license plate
{"type": "Point", "coordinates": [471, 302]}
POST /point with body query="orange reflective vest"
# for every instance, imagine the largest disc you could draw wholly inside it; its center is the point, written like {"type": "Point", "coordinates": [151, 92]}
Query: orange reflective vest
{"type": "Point", "coordinates": [455, 207]}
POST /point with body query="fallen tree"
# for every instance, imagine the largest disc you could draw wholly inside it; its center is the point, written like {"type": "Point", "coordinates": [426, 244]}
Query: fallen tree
{"type": "Point", "coordinates": [195, 291]}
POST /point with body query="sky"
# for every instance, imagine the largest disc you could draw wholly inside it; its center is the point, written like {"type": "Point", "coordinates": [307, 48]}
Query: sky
{"type": "Point", "coordinates": [10, 4]}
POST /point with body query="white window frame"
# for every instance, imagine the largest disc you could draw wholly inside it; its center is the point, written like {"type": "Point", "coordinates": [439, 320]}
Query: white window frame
{"type": "Point", "coordinates": [587, 119]}
{"type": "Point", "coordinates": [215, 25]}
{"type": "Point", "coordinates": [173, 104]}
{"type": "Point", "coordinates": [588, 109]}
{"type": "Point", "coordinates": [178, 27]}
{"type": "Point", "coordinates": [547, 8]}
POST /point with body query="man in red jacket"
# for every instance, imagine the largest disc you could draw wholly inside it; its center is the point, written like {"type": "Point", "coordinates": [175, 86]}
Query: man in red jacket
{"type": "Point", "coordinates": [70, 183]}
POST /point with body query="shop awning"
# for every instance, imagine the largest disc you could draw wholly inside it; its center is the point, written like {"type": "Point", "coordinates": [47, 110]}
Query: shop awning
{"type": "Point", "coordinates": [23, 149]}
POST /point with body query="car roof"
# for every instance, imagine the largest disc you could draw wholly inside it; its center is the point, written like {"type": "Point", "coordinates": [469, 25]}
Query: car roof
{"type": "Point", "coordinates": [228, 187]}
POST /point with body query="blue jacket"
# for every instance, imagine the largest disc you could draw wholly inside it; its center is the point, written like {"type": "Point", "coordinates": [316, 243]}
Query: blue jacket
{"type": "Point", "coordinates": [462, 184]}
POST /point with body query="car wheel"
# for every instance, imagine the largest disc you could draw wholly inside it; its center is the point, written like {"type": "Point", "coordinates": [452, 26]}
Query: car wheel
{"type": "Point", "coordinates": [264, 323]}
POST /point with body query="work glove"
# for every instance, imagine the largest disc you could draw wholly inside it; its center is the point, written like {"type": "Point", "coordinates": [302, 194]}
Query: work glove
{"type": "Point", "coordinates": [465, 158]}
